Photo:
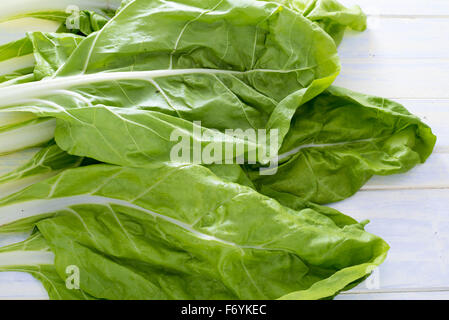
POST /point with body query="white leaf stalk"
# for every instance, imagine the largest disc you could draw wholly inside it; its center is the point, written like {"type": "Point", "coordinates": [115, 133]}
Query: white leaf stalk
{"type": "Point", "coordinates": [26, 135]}
{"type": "Point", "coordinates": [14, 64]}
{"type": "Point", "coordinates": [16, 29]}
{"type": "Point", "coordinates": [22, 93]}
{"type": "Point", "coordinates": [9, 260]}
{"type": "Point", "coordinates": [43, 164]}
{"type": "Point", "coordinates": [14, 186]}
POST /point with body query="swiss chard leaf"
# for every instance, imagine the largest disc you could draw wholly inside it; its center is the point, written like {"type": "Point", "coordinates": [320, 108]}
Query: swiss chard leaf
{"type": "Point", "coordinates": [87, 22]}
{"type": "Point", "coordinates": [34, 256]}
{"type": "Point", "coordinates": [48, 162]}
{"type": "Point", "coordinates": [330, 15]}
{"type": "Point", "coordinates": [56, 10]}
{"type": "Point", "coordinates": [16, 62]}
{"type": "Point", "coordinates": [51, 51]}
{"type": "Point", "coordinates": [339, 140]}
{"type": "Point", "coordinates": [46, 52]}
{"type": "Point", "coordinates": [218, 240]}
{"type": "Point", "coordinates": [254, 74]}
{"type": "Point", "coordinates": [172, 231]}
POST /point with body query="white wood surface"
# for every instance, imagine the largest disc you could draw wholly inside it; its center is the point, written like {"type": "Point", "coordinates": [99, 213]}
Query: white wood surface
{"type": "Point", "coordinates": [403, 55]}
{"type": "Point", "coordinates": [426, 8]}
{"type": "Point", "coordinates": [386, 38]}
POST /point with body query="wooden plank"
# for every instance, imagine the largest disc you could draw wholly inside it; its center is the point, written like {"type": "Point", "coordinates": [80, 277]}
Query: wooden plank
{"type": "Point", "coordinates": [415, 224]}
{"type": "Point", "coordinates": [419, 38]}
{"type": "Point", "coordinates": [402, 7]}
{"type": "Point", "coordinates": [386, 60]}
{"type": "Point", "coordinates": [394, 78]}
{"type": "Point", "coordinates": [397, 296]}
{"type": "Point", "coordinates": [415, 205]}
{"type": "Point", "coordinates": [434, 174]}
{"type": "Point", "coordinates": [18, 285]}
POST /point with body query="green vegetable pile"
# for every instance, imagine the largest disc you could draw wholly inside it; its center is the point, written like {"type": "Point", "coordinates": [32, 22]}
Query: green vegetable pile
{"type": "Point", "coordinates": [95, 105]}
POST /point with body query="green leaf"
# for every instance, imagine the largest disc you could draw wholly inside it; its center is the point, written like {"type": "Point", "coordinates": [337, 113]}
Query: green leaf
{"type": "Point", "coordinates": [55, 10]}
{"type": "Point", "coordinates": [51, 51]}
{"type": "Point", "coordinates": [330, 15]}
{"type": "Point", "coordinates": [34, 256]}
{"type": "Point", "coordinates": [254, 75]}
{"type": "Point", "coordinates": [172, 231]}
{"type": "Point", "coordinates": [219, 240]}
{"type": "Point", "coordinates": [18, 76]}
{"type": "Point", "coordinates": [90, 22]}
{"type": "Point", "coordinates": [16, 49]}
{"type": "Point", "coordinates": [46, 163]}
{"type": "Point", "coordinates": [237, 174]}
{"type": "Point", "coordinates": [16, 62]}
{"type": "Point", "coordinates": [339, 140]}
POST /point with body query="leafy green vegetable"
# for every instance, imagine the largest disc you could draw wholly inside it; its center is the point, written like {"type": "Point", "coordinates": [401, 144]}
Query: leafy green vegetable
{"type": "Point", "coordinates": [18, 76]}
{"type": "Point", "coordinates": [88, 22]}
{"type": "Point", "coordinates": [16, 58]}
{"type": "Point", "coordinates": [35, 257]}
{"type": "Point", "coordinates": [50, 9]}
{"type": "Point", "coordinates": [16, 62]}
{"type": "Point", "coordinates": [178, 76]}
{"type": "Point", "coordinates": [37, 56]}
{"type": "Point", "coordinates": [46, 163]}
{"type": "Point", "coordinates": [339, 140]}
{"type": "Point", "coordinates": [330, 15]}
{"type": "Point", "coordinates": [207, 243]}
{"type": "Point", "coordinates": [15, 49]}
{"type": "Point", "coordinates": [141, 127]}
{"type": "Point", "coordinates": [51, 51]}
{"type": "Point", "coordinates": [157, 230]}
{"type": "Point", "coordinates": [20, 131]}
{"type": "Point", "coordinates": [79, 16]}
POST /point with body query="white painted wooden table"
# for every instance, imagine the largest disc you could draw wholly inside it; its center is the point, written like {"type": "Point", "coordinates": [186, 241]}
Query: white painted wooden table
{"type": "Point", "coordinates": [404, 55]}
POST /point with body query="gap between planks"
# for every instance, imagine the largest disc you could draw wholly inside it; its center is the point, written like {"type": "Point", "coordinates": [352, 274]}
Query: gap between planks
{"type": "Point", "coordinates": [401, 188]}
{"type": "Point", "coordinates": [408, 16]}
{"type": "Point", "coordinates": [427, 8]}
{"type": "Point", "coordinates": [399, 290]}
